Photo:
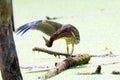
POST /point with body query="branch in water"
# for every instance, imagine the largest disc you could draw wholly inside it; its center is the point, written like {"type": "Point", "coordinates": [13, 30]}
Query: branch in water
{"type": "Point", "coordinates": [51, 52]}
{"type": "Point", "coordinates": [66, 64]}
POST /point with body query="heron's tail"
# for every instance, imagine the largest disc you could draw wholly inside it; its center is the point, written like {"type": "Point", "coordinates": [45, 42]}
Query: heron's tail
{"type": "Point", "coordinates": [47, 42]}
{"type": "Point", "coordinates": [27, 26]}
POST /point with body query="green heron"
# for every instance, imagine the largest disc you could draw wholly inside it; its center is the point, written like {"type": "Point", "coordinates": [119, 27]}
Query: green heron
{"type": "Point", "coordinates": [55, 31]}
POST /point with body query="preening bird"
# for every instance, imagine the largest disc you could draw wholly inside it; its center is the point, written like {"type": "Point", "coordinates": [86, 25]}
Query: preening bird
{"type": "Point", "coordinates": [55, 30]}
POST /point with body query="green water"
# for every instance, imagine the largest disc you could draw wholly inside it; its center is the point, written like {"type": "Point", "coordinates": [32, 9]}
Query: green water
{"type": "Point", "coordinates": [97, 21]}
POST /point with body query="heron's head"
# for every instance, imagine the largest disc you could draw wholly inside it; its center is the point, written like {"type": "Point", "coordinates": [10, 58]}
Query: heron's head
{"type": "Point", "coordinates": [76, 36]}
{"type": "Point", "coordinates": [47, 42]}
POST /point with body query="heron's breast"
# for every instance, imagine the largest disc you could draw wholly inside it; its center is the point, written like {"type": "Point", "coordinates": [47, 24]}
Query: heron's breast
{"type": "Point", "coordinates": [66, 36]}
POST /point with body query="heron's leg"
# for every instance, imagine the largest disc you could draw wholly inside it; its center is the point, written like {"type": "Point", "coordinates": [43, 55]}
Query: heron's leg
{"type": "Point", "coordinates": [67, 47]}
{"type": "Point", "coordinates": [72, 49]}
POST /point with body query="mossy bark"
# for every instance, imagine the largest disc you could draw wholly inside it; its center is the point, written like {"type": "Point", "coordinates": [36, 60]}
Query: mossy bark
{"type": "Point", "coordinates": [66, 64]}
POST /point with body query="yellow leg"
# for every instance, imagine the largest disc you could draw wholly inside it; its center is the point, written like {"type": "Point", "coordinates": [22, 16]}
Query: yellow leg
{"type": "Point", "coordinates": [72, 49]}
{"type": "Point", "coordinates": [67, 48]}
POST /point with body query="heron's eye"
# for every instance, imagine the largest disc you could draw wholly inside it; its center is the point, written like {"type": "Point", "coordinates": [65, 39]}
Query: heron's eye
{"type": "Point", "coordinates": [77, 38]}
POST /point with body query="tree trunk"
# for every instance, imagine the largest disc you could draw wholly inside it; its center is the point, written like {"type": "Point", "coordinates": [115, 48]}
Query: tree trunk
{"type": "Point", "coordinates": [8, 57]}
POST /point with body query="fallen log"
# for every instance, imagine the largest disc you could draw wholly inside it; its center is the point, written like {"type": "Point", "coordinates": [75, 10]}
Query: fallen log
{"type": "Point", "coordinates": [74, 60]}
{"type": "Point", "coordinates": [66, 64]}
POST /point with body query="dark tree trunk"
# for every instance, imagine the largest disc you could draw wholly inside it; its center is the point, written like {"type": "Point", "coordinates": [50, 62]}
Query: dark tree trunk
{"type": "Point", "coordinates": [8, 57]}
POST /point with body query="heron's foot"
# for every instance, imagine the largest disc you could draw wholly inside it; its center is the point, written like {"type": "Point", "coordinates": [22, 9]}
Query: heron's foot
{"type": "Point", "coordinates": [69, 56]}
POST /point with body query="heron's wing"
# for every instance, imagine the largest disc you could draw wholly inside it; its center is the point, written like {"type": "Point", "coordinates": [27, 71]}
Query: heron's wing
{"type": "Point", "coordinates": [47, 27]}
{"type": "Point", "coordinates": [27, 26]}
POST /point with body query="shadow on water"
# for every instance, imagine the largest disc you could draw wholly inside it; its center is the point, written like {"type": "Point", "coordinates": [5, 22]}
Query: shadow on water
{"type": "Point", "coordinates": [79, 67]}
{"type": "Point", "coordinates": [45, 70]}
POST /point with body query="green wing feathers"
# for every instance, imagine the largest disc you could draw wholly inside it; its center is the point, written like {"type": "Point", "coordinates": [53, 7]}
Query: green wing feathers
{"type": "Point", "coordinates": [47, 27]}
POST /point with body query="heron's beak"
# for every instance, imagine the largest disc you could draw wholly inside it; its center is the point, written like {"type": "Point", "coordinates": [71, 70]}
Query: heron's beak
{"type": "Point", "coordinates": [47, 42]}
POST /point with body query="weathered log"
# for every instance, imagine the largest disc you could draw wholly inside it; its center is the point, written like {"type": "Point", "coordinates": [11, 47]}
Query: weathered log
{"type": "Point", "coordinates": [67, 63]}
{"type": "Point", "coordinates": [75, 60]}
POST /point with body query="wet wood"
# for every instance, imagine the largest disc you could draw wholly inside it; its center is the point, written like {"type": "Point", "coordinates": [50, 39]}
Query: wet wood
{"type": "Point", "coordinates": [74, 60]}
{"type": "Point", "coordinates": [66, 64]}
